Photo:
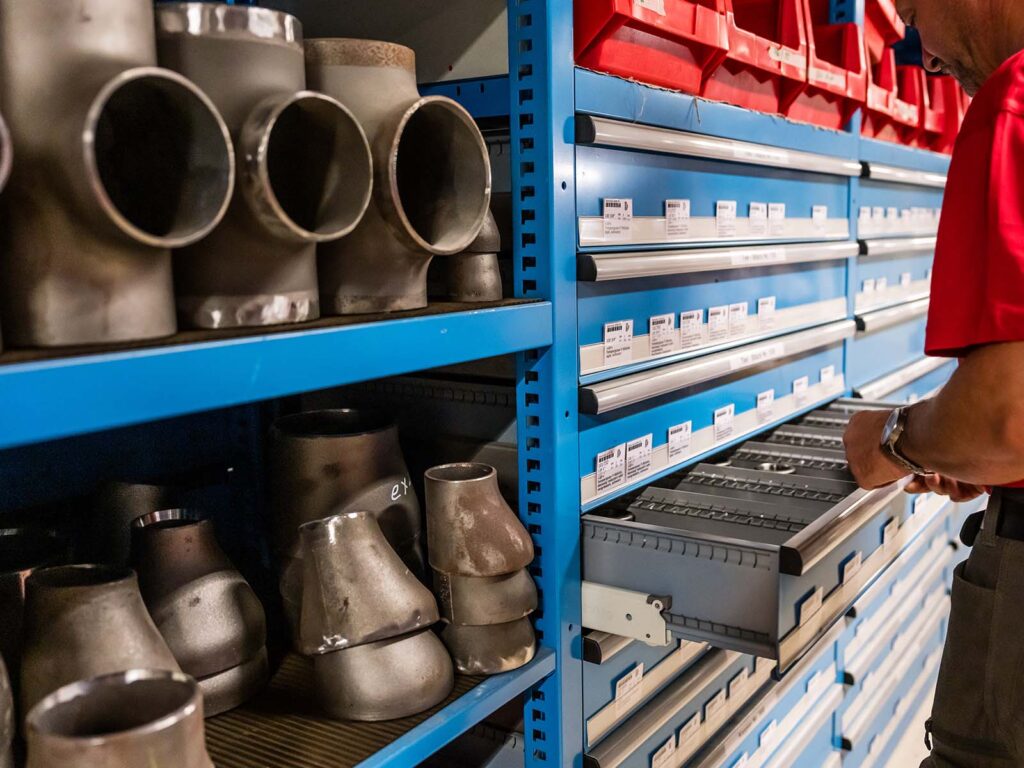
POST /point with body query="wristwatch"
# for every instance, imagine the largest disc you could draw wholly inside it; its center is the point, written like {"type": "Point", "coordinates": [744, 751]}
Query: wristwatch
{"type": "Point", "coordinates": [894, 429]}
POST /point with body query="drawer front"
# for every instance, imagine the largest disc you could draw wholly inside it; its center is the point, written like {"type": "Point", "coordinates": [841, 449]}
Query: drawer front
{"type": "Point", "coordinates": [910, 383]}
{"type": "Point", "coordinates": [729, 383]}
{"type": "Point", "coordinates": [886, 210]}
{"type": "Point", "coordinates": [892, 271]}
{"type": "Point", "coordinates": [679, 316]}
{"type": "Point", "coordinates": [883, 348]}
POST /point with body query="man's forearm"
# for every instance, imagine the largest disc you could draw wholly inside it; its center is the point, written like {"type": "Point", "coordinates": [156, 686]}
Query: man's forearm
{"type": "Point", "coordinates": [973, 430]}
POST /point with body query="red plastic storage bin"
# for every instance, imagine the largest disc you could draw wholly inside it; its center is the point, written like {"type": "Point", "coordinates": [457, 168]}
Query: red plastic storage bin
{"type": "Point", "coordinates": [837, 77]}
{"type": "Point", "coordinates": [892, 111]}
{"type": "Point", "coordinates": [883, 27]}
{"type": "Point", "coordinates": [949, 105]}
{"type": "Point", "coordinates": [669, 43]}
{"type": "Point", "coordinates": [767, 60]}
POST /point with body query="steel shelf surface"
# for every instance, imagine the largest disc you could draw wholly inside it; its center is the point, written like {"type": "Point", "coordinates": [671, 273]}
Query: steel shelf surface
{"type": "Point", "coordinates": [53, 398]}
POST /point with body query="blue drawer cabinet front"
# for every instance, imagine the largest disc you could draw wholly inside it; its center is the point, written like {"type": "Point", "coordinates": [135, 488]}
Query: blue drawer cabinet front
{"type": "Point", "coordinates": [883, 210]}
{"type": "Point", "coordinates": [891, 277]}
{"type": "Point", "coordinates": [924, 386]}
{"type": "Point", "coordinates": [755, 302]}
{"type": "Point", "coordinates": [648, 180]}
{"type": "Point", "coordinates": [873, 354]}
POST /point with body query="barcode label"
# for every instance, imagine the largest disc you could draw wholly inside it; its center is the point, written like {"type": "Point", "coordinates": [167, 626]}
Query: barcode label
{"type": "Point", "coordinates": [725, 218]}
{"type": "Point", "coordinates": [906, 279]}
{"type": "Point", "coordinates": [663, 334]}
{"type": "Point", "coordinates": [850, 568]}
{"type": "Point", "coordinates": [737, 319]}
{"type": "Point", "coordinates": [800, 390]}
{"type": "Point", "coordinates": [664, 757]}
{"type": "Point", "coordinates": [714, 705]}
{"type": "Point", "coordinates": [724, 418]}
{"type": "Point", "coordinates": [679, 438]}
{"type": "Point", "coordinates": [758, 219]}
{"type": "Point", "coordinates": [878, 213]}
{"type": "Point", "coordinates": [618, 218]}
{"type": "Point", "coordinates": [739, 683]}
{"type": "Point", "coordinates": [810, 605]}
{"type": "Point", "coordinates": [766, 405]}
{"type": "Point", "coordinates": [766, 312]}
{"type": "Point", "coordinates": [819, 217]}
{"type": "Point", "coordinates": [892, 213]}
{"type": "Point", "coordinates": [618, 342]}
{"type": "Point", "coordinates": [718, 322]}
{"type": "Point", "coordinates": [828, 374]}
{"type": "Point", "coordinates": [611, 468]}
{"type": "Point", "coordinates": [881, 284]}
{"type": "Point", "coordinates": [690, 325]}
{"type": "Point", "coordinates": [776, 218]}
{"type": "Point", "coordinates": [638, 457]}
{"type": "Point", "coordinates": [864, 214]}
{"type": "Point", "coordinates": [868, 286]}
{"type": "Point", "coordinates": [627, 689]}
{"type": "Point", "coordinates": [690, 729]}
{"type": "Point", "coordinates": [677, 218]}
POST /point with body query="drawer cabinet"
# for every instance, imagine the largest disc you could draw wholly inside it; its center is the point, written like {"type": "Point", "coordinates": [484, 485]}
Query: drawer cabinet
{"type": "Point", "coordinates": [892, 271]}
{"type": "Point", "coordinates": [896, 202]}
{"type": "Point", "coordinates": [887, 340]}
{"type": "Point", "coordinates": [911, 383]}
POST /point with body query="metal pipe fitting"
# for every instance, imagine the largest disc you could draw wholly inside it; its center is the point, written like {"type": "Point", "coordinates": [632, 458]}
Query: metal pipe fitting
{"type": "Point", "coordinates": [432, 178]}
{"type": "Point", "coordinates": [96, 611]}
{"type": "Point", "coordinates": [108, 538]}
{"type": "Point", "coordinates": [7, 727]}
{"type": "Point", "coordinates": [355, 588]}
{"type": "Point", "coordinates": [482, 600]}
{"type": "Point", "coordinates": [119, 162]}
{"type": "Point", "coordinates": [490, 649]}
{"type": "Point", "coordinates": [209, 615]}
{"type": "Point", "coordinates": [474, 274]}
{"type": "Point", "coordinates": [385, 680]}
{"type": "Point", "coordinates": [134, 718]}
{"type": "Point", "coordinates": [305, 169]}
{"type": "Point", "coordinates": [6, 153]}
{"type": "Point", "coordinates": [471, 531]}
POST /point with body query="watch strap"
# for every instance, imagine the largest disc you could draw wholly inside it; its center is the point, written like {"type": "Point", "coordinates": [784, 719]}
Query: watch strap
{"type": "Point", "coordinates": [892, 445]}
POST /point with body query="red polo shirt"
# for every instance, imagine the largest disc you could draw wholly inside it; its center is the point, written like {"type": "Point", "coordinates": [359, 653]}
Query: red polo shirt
{"type": "Point", "coordinates": [977, 292]}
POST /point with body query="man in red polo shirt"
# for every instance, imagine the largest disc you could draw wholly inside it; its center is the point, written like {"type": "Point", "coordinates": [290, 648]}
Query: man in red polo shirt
{"type": "Point", "coordinates": [970, 436]}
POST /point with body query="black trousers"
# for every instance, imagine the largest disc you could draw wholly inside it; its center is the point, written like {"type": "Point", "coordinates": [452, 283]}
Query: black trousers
{"type": "Point", "coordinates": [978, 716]}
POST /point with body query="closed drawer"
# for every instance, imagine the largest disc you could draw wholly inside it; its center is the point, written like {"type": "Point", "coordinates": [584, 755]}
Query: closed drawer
{"type": "Point", "coordinates": [892, 271]}
{"type": "Point", "coordinates": [912, 382]}
{"type": "Point", "coordinates": [653, 307]}
{"type": "Point", "coordinates": [637, 427]}
{"type": "Point", "coordinates": [896, 202]}
{"type": "Point", "coordinates": [640, 185]}
{"type": "Point", "coordinates": [887, 340]}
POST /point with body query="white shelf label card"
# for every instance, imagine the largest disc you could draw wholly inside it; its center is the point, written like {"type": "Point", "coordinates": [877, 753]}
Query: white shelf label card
{"type": "Point", "coordinates": [810, 605]}
{"type": "Point", "coordinates": [724, 418]}
{"type": "Point", "coordinates": [718, 322]}
{"type": "Point", "coordinates": [679, 439]}
{"type": "Point", "coordinates": [689, 730]}
{"type": "Point", "coordinates": [776, 218]}
{"type": "Point", "coordinates": [739, 683]}
{"type": "Point", "coordinates": [627, 689]}
{"type": "Point", "coordinates": [618, 342]}
{"type": "Point", "coordinates": [768, 735]}
{"type": "Point", "coordinates": [868, 286]}
{"type": "Point", "coordinates": [715, 705]}
{"type": "Point", "coordinates": [638, 456]}
{"type": "Point", "coordinates": [665, 756]}
{"type": "Point", "coordinates": [618, 218]}
{"type": "Point", "coordinates": [611, 468]}
{"type": "Point", "coordinates": [766, 405]}
{"type": "Point", "coordinates": [819, 217]}
{"type": "Point", "coordinates": [906, 279]}
{"type": "Point", "coordinates": [800, 389]}
{"type": "Point", "coordinates": [889, 533]}
{"type": "Point", "coordinates": [881, 284]}
{"type": "Point", "coordinates": [738, 319]}
{"type": "Point", "coordinates": [663, 334]}
{"type": "Point", "coordinates": [677, 218]}
{"type": "Point", "coordinates": [828, 374]}
{"type": "Point", "coordinates": [725, 218]}
{"type": "Point", "coordinates": [690, 324]}
{"type": "Point", "coordinates": [878, 213]}
{"type": "Point", "coordinates": [766, 312]}
{"type": "Point", "coordinates": [892, 213]}
{"type": "Point", "coordinates": [850, 567]}
{"type": "Point", "coordinates": [758, 219]}
{"type": "Point", "coordinates": [657, 6]}
{"type": "Point", "coordinates": [864, 214]}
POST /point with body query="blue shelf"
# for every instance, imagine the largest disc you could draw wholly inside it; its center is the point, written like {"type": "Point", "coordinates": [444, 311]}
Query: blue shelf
{"type": "Point", "coordinates": [484, 97]}
{"type": "Point", "coordinates": [49, 399]}
{"type": "Point", "coordinates": [612, 97]}
{"type": "Point", "coordinates": [887, 153]}
{"type": "Point", "coordinates": [462, 714]}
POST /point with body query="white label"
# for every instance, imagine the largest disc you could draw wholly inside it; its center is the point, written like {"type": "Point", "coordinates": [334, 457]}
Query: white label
{"type": "Point", "coordinates": [800, 389]}
{"type": "Point", "coordinates": [618, 342]}
{"type": "Point", "coordinates": [690, 324]}
{"type": "Point", "coordinates": [747, 358]}
{"type": "Point", "coordinates": [627, 689]}
{"type": "Point", "coordinates": [878, 213]}
{"type": "Point", "coordinates": [864, 214]}
{"type": "Point", "coordinates": [881, 284]}
{"type": "Point", "coordinates": [776, 218]}
{"type": "Point", "coordinates": [663, 758]}
{"type": "Point", "coordinates": [889, 532]}
{"type": "Point", "coordinates": [767, 737]}
{"type": "Point", "coordinates": [868, 286]}
{"type": "Point", "coordinates": [787, 56]}
{"type": "Point", "coordinates": [679, 438]}
{"type": "Point", "coordinates": [611, 468]}
{"type": "Point", "coordinates": [819, 217]}
{"type": "Point", "coordinates": [756, 154]}
{"type": "Point", "coordinates": [758, 219]}
{"type": "Point", "coordinates": [739, 683]}
{"type": "Point", "coordinates": [657, 6]}
{"type": "Point", "coordinates": [737, 319]}
{"type": "Point", "coordinates": [828, 373]}
{"type": "Point", "coordinates": [759, 258]}
{"type": "Point", "coordinates": [714, 705]}
{"type": "Point", "coordinates": [638, 457]}
{"type": "Point", "coordinates": [725, 218]}
{"type": "Point", "coordinates": [618, 218]}
{"type": "Point", "coordinates": [677, 218]}
{"type": "Point", "coordinates": [663, 334]}
{"type": "Point", "coordinates": [906, 279]}
{"type": "Point", "coordinates": [851, 567]}
{"type": "Point", "coordinates": [766, 312]}
{"type": "Point", "coordinates": [718, 322]}
{"type": "Point", "coordinates": [827, 77]}
{"type": "Point", "coordinates": [892, 213]}
{"type": "Point", "coordinates": [766, 405]}
{"type": "Point", "coordinates": [690, 729]}
{"type": "Point", "coordinates": [810, 605]}
{"type": "Point", "coordinates": [723, 422]}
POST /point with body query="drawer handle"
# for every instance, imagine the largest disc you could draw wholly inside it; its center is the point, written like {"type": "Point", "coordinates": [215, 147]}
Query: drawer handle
{"type": "Point", "coordinates": [600, 131]}
{"type": "Point", "coordinates": [880, 172]}
{"type": "Point", "coordinates": [811, 545]}
{"type": "Point", "coordinates": [596, 399]}
{"type": "Point", "coordinates": [899, 246]}
{"type": "Point", "coordinates": [599, 647]}
{"type": "Point", "coordinates": [872, 322]}
{"type": "Point", "coordinates": [600, 267]}
{"type": "Point", "coordinates": [881, 388]}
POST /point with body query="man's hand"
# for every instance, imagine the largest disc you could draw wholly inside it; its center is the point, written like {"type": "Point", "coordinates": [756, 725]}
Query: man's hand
{"type": "Point", "coordinates": [871, 466]}
{"type": "Point", "coordinates": [945, 486]}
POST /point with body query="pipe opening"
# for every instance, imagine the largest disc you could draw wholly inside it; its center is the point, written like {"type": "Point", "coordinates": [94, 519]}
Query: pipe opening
{"type": "Point", "coordinates": [459, 473]}
{"type": "Point", "coordinates": [167, 518]}
{"type": "Point", "coordinates": [319, 167]}
{"type": "Point", "coordinates": [111, 704]}
{"type": "Point", "coordinates": [777, 467]}
{"type": "Point", "coordinates": [162, 157]}
{"type": "Point", "coordinates": [67, 576]}
{"type": "Point", "coordinates": [339, 422]}
{"type": "Point", "coordinates": [443, 176]}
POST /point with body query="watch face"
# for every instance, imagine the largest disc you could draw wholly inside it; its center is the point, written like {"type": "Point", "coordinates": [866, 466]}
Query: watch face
{"type": "Point", "coordinates": [890, 425]}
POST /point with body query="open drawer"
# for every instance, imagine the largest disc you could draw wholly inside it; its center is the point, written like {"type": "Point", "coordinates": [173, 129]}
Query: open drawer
{"type": "Point", "coordinates": [893, 271]}
{"type": "Point", "coordinates": [887, 340]}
